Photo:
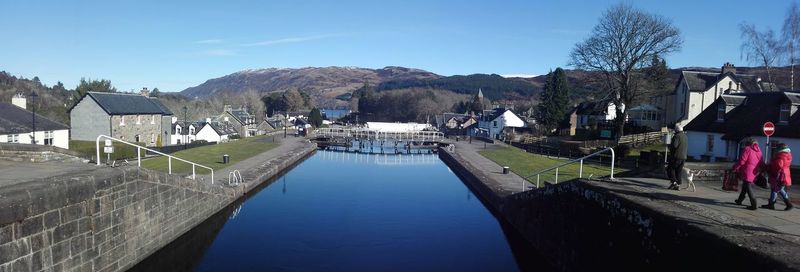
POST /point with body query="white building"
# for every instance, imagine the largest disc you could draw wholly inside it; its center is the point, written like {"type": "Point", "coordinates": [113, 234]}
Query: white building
{"type": "Point", "coordinates": [492, 123]}
{"type": "Point", "coordinates": [16, 126]}
{"type": "Point", "coordinates": [183, 132]}
{"type": "Point", "coordinates": [715, 134]}
{"type": "Point", "coordinates": [397, 127]}
{"type": "Point", "coordinates": [215, 132]}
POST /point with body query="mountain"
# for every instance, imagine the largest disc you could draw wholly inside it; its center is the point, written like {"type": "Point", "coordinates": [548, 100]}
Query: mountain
{"type": "Point", "coordinates": [323, 84]}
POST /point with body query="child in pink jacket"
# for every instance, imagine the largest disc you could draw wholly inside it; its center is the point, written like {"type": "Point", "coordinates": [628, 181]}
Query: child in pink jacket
{"type": "Point", "coordinates": [780, 176]}
{"type": "Point", "coordinates": [748, 166]}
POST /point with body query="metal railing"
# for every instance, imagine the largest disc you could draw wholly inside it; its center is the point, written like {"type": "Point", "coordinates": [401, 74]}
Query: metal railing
{"type": "Point", "coordinates": [580, 171]}
{"type": "Point", "coordinates": [368, 134]}
{"type": "Point", "coordinates": [234, 178]}
{"type": "Point", "coordinates": [139, 156]}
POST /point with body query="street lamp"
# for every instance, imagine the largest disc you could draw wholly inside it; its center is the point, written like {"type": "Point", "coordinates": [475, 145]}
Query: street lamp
{"type": "Point", "coordinates": [33, 107]}
{"type": "Point", "coordinates": [185, 127]}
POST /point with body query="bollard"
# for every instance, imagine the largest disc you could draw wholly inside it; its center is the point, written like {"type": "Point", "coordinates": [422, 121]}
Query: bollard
{"type": "Point", "coordinates": [505, 169]}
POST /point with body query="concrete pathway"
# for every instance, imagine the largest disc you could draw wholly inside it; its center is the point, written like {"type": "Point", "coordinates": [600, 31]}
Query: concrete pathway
{"type": "Point", "coordinates": [711, 198]}
{"type": "Point", "coordinates": [510, 183]}
{"type": "Point", "coordinates": [284, 145]}
{"type": "Point", "coordinates": [18, 172]}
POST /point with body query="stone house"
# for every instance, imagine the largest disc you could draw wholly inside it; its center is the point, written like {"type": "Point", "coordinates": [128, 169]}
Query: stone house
{"type": "Point", "coordinates": [129, 117]}
{"type": "Point", "coordinates": [241, 120]}
{"type": "Point", "coordinates": [16, 126]}
{"type": "Point", "coordinates": [715, 134]}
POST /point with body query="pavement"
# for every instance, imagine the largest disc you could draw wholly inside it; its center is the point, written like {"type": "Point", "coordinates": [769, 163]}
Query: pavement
{"type": "Point", "coordinates": [709, 200]}
{"type": "Point", "coordinates": [285, 145]}
{"type": "Point", "coordinates": [20, 172]}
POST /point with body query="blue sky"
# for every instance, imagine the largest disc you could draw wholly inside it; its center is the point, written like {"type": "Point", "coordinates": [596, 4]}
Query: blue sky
{"type": "Point", "coordinates": [173, 45]}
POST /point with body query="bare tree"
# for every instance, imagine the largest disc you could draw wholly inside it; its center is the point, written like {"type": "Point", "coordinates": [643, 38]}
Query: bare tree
{"type": "Point", "coordinates": [622, 43]}
{"type": "Point", "coordinates": [761, 48]}
{"type": "Point", "coordinates": [791, 35]}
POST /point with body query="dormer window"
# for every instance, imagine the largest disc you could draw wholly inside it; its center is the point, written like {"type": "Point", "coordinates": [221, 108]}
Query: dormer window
{"type": "Point", "coordinates": [786, 111]}
{"type": "Point", "coordinates": [721, 112]}
{"type": "Point", "coordinates": [178, 129]}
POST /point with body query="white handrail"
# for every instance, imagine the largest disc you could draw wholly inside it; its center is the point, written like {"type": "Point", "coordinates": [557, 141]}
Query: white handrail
{"type": "Point", "coordinates": [234, 176]}
{"type": "Point", "coordinates": [580, 171]}
{"type": "Point", "coordinates": [139, 156]}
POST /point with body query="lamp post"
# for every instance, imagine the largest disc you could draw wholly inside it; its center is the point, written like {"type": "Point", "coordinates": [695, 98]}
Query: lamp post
{"type": "Point", "coordinates": [185, 127]}
{"type": "Point", "coordinates": [33, 107]}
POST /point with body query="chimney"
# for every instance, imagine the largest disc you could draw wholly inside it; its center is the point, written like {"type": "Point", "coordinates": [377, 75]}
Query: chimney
{"type": "Point", "coordinates": [19, 101]}
{"type": "Point", "coordinates": [227, 108]}
{"type": "Point", "coordinates": [208, 119]}
{"type": "Point", "coordinates": [144, 92]}
{"type": "Point", "coordinates": [728, 68]}
{"type": "Point", "coordinates": [174, 119]}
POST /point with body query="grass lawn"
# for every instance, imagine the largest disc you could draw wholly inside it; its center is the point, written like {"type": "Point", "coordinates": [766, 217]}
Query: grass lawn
{"type": "Point", "coordinates": [525, 164]}
{"type": "Point", "coordinates": [89, 149]}
{"type": "Point", "coordinates": [211, 155]}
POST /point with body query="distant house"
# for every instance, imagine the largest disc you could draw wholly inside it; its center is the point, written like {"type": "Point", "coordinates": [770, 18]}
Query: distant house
{"type": "Point", "coordinates": [265, 127]}
{"type": "Point", "coordinates": [646, 115]}
{"type": "Point", "coordinates": [492, 122]}
{"type": "Point", "coordinates": [215, 132]}
{"type": "Point", "coordinates": [695, 91]}
{"type": "Point", "coordinates": [716, 133]}
{"type": "Point", "coordinates": [457, 124]}
{"type": "Point", "coordinates": [594, 112]}
{"type": "Point", "coordinates": [184, 132]}
{"type": "Point", "coordinates": [130, 117]}
{"type": "Point", "coordinates": [241, 120]}
{"type": "Point", "coordinates": [16, 126]}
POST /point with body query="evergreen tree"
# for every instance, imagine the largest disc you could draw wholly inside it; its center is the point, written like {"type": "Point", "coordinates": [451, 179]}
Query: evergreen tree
{"type": "Point", "coordinates": [555, 99]}
{"type": "Point", "coordinates": [315, 118]}
{"type": "Point", "coordinates": [90, 85]}
{"type": "Point", "coordinates": [657, 75]}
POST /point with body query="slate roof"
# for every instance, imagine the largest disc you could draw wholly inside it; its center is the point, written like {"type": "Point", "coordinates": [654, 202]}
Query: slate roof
{"type": "Point", "coordinates": [197, 127]}
{"type": "Point", "coordinates": [125, 104]}
{"type": "Point", "coordinates": [14, 120]}
{"type": "Point", "coordinates": [599, 107]}
{"type": "Point", "coordinates": [750, 112]}
{"type": "Point", "coordinates": [222, 128]}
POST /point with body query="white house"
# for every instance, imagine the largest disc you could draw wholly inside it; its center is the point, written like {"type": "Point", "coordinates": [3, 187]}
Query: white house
{"type": "Point", "coordinates": [715, 134]}
{"type": "Point", "coordinates": [593, 112]}
{"type": "Point", "coordinates": [215, 132]}
{"type": "Point", "coordinates": [183, 132]}
{"type": "Point", "coordinates": [492, 123]}
{"type": "Point", "coordinates": [16, 126]}
{"type": "Point", "coordinates": [697, 90]}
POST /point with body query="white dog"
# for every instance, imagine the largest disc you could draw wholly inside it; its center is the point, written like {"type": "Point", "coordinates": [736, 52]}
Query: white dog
{"type": "Point", "coordinates": [688, 176]}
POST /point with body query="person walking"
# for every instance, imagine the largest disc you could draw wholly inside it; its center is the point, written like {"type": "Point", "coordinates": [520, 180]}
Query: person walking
{"type": "Point", "coordinates": [748, 166]}
{"type": "Point", "coordinates": [779, 176]}
{"type": "Point", "coordinates": [679, 148]}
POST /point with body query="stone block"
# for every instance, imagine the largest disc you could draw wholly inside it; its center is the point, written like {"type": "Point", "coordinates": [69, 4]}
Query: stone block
{"type": "Point", "coordinates": [6, 233]}
{"type": "Point", "coordinates": [52, 219]}
{"type": "Point", "coordinates": [14, 249]}
{"type": "Point", "coordinates": [60, 251]}
{"type": "Point", "coordinates": [38, 242]}
{"type": "Point", "coordinates": [77, 245]}
{"type": "Point", "coordinates": [22, 264]}
{"type": "Point", "coordinates": [85, 224]}
{"type": "Point", "coordinates": [73, 212]}
{"type": "Point", "coordinates": [65, 231]}
{"type": "Point", "coordinates": [101, 222]}
{"type": "Point", "coordinates": [37, 262]}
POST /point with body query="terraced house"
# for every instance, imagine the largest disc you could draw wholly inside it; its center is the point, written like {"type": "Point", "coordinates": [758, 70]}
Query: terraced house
{"type": "Point", "coordinates": [240, 119]}
{"type": "Point", "coordinates": [130, 117]}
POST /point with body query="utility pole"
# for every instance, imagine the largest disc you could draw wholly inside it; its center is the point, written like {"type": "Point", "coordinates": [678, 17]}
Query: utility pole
{"type": "Point", "coordinates": [33, 107]}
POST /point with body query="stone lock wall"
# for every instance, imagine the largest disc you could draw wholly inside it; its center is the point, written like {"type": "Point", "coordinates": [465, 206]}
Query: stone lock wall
{"type": "Point", "coordinates": [107, 220]}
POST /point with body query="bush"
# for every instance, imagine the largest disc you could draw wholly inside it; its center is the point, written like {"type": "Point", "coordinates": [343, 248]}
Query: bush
{"type": "Point", "coordinates": [234, 137]}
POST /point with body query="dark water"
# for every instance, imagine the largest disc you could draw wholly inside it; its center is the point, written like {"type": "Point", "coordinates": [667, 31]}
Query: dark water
{"type": "Point", "coordinates": [353, 212]}
{"type": "Point", "coordinates": [335, 114]}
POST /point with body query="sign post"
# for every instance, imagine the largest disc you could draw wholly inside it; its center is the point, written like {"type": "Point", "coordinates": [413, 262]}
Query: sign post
{"type": "Point", "coordinates": [768, 129]}
{"type": "Point", "coordinates": [108, 149]}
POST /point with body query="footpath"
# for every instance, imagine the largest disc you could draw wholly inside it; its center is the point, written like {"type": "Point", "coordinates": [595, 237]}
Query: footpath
{"type": "Point", "coordinates": [709, 211]}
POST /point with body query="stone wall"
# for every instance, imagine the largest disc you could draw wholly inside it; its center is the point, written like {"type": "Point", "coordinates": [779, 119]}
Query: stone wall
{"type": "Point", "coordinates": [107, 220]}
{"type": "Point", "coordinates": [146, 129]}
{"type": "Point", "coordinates": [110, 219]}
{"type": "Point", "coordinates": [38, 153]}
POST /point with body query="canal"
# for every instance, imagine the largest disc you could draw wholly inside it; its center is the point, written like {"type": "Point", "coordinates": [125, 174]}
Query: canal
{"type": "Point", "coordinates": [353, 212]}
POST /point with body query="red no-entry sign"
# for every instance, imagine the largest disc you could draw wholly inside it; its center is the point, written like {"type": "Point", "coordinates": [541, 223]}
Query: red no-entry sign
{"type": "Point", "coordinates": [769, 129]}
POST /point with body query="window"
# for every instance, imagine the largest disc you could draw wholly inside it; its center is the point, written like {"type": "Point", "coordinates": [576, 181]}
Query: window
{"type": "Point", "coordinates": [710, 143]}
{"type": "Point", "coordinates": [177, 130]}
{"type": "Point", "coordinates": [495, 123]}
{"type": "Point", "coordinates": [121, 120]}
{"type": "Point", "coordinates": [786, 111]}
{"type": "Point", "coordinates": [721, 112]}
{"type": "Point", "coordinates": [179, 141]}
{"type": "Point", "coordinates": [191, 130]}
{"type": "Point", "coordinates": [136, 138]}
{"type": "Point", "coordinates": [153, 119]}
{"type": "Point", "coordinates": [13, 138]}
{"type": "Point", "coordinates": [48, 137]}
{"type": "Point", "coordinates": [138, 119]}
{"type": "Point", "coordinates": [152, 138]}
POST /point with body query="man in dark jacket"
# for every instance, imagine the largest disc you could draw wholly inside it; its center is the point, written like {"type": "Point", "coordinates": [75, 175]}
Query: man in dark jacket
{"type": "Point", "coordinates": [678, 149]}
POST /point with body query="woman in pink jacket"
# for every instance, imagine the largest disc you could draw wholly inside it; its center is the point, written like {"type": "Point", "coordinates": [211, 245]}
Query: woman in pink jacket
{"type": "Point", "coordinates": [779, 176]}
{"type": "Point", "coordinates": [748, 167]}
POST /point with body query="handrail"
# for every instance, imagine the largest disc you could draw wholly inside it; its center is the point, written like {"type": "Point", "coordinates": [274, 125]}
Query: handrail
{"type": "Point", "coordinates": [139, 156]}
{"type": "Point", "coordinates": [580, 172]}
{"type": "Point", "coordinates": [234, 176]}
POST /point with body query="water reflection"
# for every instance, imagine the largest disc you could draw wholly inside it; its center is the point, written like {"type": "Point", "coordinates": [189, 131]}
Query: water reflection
{"type": "Point", "coordinates": [354, 212]}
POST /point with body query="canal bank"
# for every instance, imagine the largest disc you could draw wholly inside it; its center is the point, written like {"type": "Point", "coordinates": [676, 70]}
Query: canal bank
{"type": "Point", "coordinates": [109, 219]}
{"type": "Point", "coordinates": [628, 225]}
